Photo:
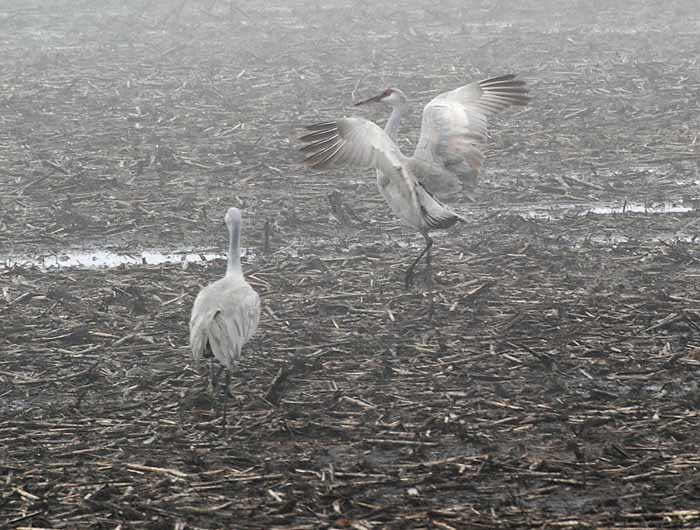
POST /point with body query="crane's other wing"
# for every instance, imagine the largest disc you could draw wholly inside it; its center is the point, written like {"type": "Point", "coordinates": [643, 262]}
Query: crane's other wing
{"type": "Point", "coordinates": [199, 336]}
{"type": "Point", "coordinates": [454, 126]}
{"type": "Point", "coordinates": [232, 327]}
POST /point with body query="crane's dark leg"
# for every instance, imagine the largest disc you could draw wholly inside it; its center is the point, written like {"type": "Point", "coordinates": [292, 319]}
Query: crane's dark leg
{"type": "Point", "coordinates": [429, 266]}
{"type": "Point", "coordinates": [409, 272]}
{"type": "Point", "coordinates": [227, 383]}
{"type": "Point", "coordinates": [213, 377]}
{"type": "Point", "coordinates": [225, 398]}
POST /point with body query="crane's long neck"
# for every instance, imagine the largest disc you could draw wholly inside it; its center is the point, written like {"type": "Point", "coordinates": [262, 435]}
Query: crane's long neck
{"type": "Point", "coordinates": [234, 249]}
{"type": "Point", "coordinates": [394, 122]}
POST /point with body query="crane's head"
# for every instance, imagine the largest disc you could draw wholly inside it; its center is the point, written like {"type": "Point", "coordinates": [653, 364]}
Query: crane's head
{"type": "Point", "coordinates": [391, 96]}
{"type": "Point", "coordinates": [233, 217]}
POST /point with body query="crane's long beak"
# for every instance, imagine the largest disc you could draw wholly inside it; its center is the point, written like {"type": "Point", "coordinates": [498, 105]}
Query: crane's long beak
{"type": "Point", "coordinates": [373, 99]}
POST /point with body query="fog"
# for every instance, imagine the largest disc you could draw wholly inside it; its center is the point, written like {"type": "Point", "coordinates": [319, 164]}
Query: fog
{"type": "Point", "coordinates": [539, 369]}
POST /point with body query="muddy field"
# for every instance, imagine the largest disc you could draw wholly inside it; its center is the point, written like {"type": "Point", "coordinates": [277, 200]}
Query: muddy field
{"type": "Point", "coordinates": [549, 379]}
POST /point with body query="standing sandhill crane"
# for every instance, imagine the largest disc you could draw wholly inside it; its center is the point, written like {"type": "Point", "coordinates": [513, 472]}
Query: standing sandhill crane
{"type": "Point", "coordinates": [225, 313]}
{"type": "Point", "coordinates": [447, 156]}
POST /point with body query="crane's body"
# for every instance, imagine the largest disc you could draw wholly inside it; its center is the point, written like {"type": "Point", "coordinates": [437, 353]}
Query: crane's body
{"type": "Point", "coordinates": [226, 312]}
{"type": "Point", "coordinates": [447, 155]}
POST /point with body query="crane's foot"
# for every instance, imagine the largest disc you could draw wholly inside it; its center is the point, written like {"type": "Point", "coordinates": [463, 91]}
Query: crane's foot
{"type": "Point", "coordinates": [423, 275]}
{"type": "Point", "coordinates": [408, 280]}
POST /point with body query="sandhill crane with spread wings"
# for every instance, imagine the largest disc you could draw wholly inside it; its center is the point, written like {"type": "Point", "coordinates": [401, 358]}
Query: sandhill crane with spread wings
{"type": "Point", "coordinates": [447, 156]}
{"type": "Point", "coordinates": [225, 313]}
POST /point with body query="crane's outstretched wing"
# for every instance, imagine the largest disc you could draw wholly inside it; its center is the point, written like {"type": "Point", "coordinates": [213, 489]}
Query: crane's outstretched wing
{"type": "Point", "coordinates": [362, 143]}
{"type": "Point", "coordinates": [354, 141]}
{"type": "Point", "coordinates": [454, 125]}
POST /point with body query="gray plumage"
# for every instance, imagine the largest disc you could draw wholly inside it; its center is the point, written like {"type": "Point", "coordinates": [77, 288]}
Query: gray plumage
{"type": "Point", "coordinates": [447, 155]}
{"type": "Point", "coordinates": [225, 313]}
{"type": "Point", "coordinates": [454, 127]}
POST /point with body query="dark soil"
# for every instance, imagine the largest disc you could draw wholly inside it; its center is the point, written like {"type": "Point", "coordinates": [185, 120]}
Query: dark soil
{"type": "Point", "coordinates": [549, 379]}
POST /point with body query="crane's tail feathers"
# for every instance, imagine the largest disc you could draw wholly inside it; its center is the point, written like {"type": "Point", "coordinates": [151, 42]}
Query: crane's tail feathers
{"type": "Point", "coordinates": [436, 214]}
{"type": "Point", "coordinates": [445, 220]}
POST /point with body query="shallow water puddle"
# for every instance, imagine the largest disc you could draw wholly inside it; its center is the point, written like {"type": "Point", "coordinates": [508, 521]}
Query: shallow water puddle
{"type": "Point", "coordinates": [640, 208]}
{"type": "Point", "coordinates": [99, 258]}
{"type": "Point", "coordinates": [104, 258]}
{"type": "Point", "coordinates": [606, 209]}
